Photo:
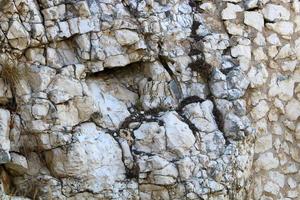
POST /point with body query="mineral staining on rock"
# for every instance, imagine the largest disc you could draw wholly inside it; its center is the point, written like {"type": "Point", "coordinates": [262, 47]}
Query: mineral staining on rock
{"type": "Point", "coordinates": [149, 99]}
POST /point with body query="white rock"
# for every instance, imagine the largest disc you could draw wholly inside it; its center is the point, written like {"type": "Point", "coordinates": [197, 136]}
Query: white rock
{"type": "Point", "coordinates": [241, 50]}
{"type": "Point", "coordinates": [200, 114]}
{"type": "Point", "coordinates": [165, 176]}
{"type": "Point", "coordinates": [259, 54]}
{"type": "Point", "coordinates": [292, 183]}
{"type": "Point", "coordinates": [233, 1]}
{"type": "Point", "coordinates": [277, 178]}
{"type": "Point", "coordinates": [263, 143]}
{"type": "Point", "coordinates": [230, 11]}
{"type": "Point", "coordinates": [297, 131]}
{"type": "Point", "coordinates": [85, 26]}
{"type": "Point", "coordinates": [234, 29]}
{"type": "Point", "coordinates": [4, 129]}
{"type": "Point", "coordinates": [258, 75]}
{"type": "Point", "coordinates": [126, 152]}
{"type": "Point", "coordinates": [297, 48]}
{"type": "Point", "coordinates": [297, 23]}
{"type": "Point", "coordinates": [40, 77]}
{"type": "Point", "coordinates": [274, 39]}
{"type": "Point", "coordinates": [273, 12]}
{"type": "Point", "coordinates": [116, 61]}
{"type": "Point", "coordinates": [289, 65]}
{"type": "Point", "coordinates": [126, 37]}
{"type": "Point", "coordinates": [284, 28]}
{"type": "Point", "coordinates": [249, 4]}
{"type": "Point", "coordinates": [185, 168]}
{"type": "Point", "coordinates": [17, 36]}
{"type": "Point", "coordinates": [214, 144]}
{"type": "Point", "coordinates": [36, 55]}
{"type": "Point", "coordinates": [94, 158]}
{"type": "Point", "coordinates": [293, 109]}
{"type": "Point", "coordinates": [254, 19]}
{"type": "Point", "coordinates": [40, 110]}
{"type": "Point", "coordinates": [179, 137]}
{"type": "Point", "coordinates": [266, 161]}
{"type": "Point", "coordinates": [272, 188]}
{"type": "Point", "coordinates": [260, 110]}
{"type": "Point", "coordinates": [208, 6]}
{"type": "Point", "coordinates": [83, 9]}
{"type": "Point", "coordinates": [112, 112]}
{"type": "Point", "coordinates": [292, 194]}
{"type": "Point", "coordinates": [150, 138]}
{"type": "Point", "coordinates": [63, 88]}
{"type": "Point", "coordinates": [281, 86]}
{"type": "Point", "coordinates": [67, 114]}
{"type": "Point", "coordinates": [285, 52]}
{"type": "Point", "coordinates": [260, 39]}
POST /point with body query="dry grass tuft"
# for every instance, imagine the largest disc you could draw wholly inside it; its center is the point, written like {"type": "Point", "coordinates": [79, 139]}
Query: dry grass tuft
{"type": "Point", "coordinates": [11, 75]}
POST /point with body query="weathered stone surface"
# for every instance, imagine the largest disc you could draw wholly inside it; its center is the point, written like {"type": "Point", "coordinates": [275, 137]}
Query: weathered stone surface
{"type": "Point", "coordinates": [254, 19]}
{"type": "Point", "coordinates": [149, 99]}
{"type": "Point", "coordinates": [201, 116]}
{"type": "Point", "coordinates": [266, 161]}
{"type": "Point", "coordinates": [179, 138]}
{"type": "Point", "coordinates": [4, 135]}
{"type": "Point", "coordinates": [273, 12]}
{"type": "Point", "coordinates": [94, 156]}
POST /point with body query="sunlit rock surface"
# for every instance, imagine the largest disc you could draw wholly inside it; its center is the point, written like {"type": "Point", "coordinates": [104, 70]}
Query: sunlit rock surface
{"type": "Point", "coordinates": [127, 99]}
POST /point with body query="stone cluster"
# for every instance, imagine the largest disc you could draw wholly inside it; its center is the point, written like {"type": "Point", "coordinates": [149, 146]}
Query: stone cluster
{"type": "Point", "coordinates": [148, 99]}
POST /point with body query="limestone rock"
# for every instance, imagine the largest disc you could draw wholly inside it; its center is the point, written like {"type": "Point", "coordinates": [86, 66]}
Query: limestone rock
{"type": "Point", "coordinates": [4, 135]}
{"type": "Point", "coordinates": [149, 99]}
{"type": "Point", "coordinates": [266, 161]}
{"type": "Point", "coordinates": [254, 19]}
{"type": "Point", "coordinates": [110, 111]}
{"type": "Point", "coordinates": [285, 28]}
{"type": "Point", "coordinates": [293, 109]}
{"type": "Point", "coordinates": [273, 12]}
{"type": "Point", "coordinates": [17, 36]}
{"type": "Point", "coordinates": [201, 116]}
{"type": "Point", "coordinates": [150, 138]}
{"type": "Point", "coordinates": [230, 11]}
{"type": "Point", "coordinates": [179, 137]}
{"type": "Point", "coordinates": [88, 159]}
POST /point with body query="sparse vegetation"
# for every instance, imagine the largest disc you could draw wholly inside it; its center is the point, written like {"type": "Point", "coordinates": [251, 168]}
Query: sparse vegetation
{"type": "Point", "coordinates": [11, 76]}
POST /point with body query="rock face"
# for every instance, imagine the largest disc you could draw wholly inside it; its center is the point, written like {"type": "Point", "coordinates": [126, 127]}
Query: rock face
{"type": "Point", "coordinates": [149, 99]}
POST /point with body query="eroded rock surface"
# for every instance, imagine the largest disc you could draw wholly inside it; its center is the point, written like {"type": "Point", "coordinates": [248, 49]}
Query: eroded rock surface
{"type": "Point", "coordinates": [130, 99]}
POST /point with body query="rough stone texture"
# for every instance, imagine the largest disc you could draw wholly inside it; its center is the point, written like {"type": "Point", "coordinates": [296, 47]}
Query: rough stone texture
{"type": "Point", "coordinates": [128, 99]}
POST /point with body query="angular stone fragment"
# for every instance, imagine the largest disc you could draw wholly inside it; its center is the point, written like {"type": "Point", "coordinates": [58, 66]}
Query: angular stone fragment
{"type": "Point", "coordinates": [126, 37]}
{"type": "Point", "coordinates": [285, 28]}
{"type": "Point", "coordinates": [179, 137]}
{"type": "Point", "coordinates": [214, 144]}
{"type": "Point", "coordinates": [116, 61]}
{"type": "Point", "coordinates": [292, 109]}
{"type": "Point", "coordinates": [17, 36]}
{"type": "Point", "coordinates": [230, 11]}
{"type": "Point", "coordinates": [63, 88]}
{"type": "Point", "coordinates": [273, 12]}
{"type": "Point", "coordinates": [150, 138]}
{"type": "Point", "coordinates": [249, 4]}
{"type": "Point", "coordinates": [231, 86]}
{"type": "Point", "coordinates": [200, 114]}
{"type": "Point", "coordinates": [4, 130]}
{"type": "Point", "coordinates": [254, 19]}
{"type": "Point", "coordinates": [94, 157]}
{"type": "Point", "coordinates": [110, 111]}
{"type": "Point", "coordinates": [266, 161]}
